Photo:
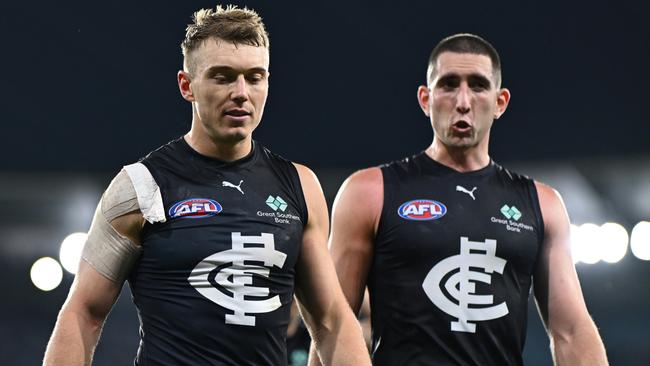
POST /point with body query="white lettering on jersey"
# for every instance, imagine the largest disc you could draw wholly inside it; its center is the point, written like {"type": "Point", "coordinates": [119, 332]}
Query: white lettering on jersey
{"type": "Point", "coordinates": [460, 285]}
{"type": "Point", "coordinates": [421, 209]}
{"type": "Point", "coordinates": [236, 276]}
{"type": "Point", "coordinates": [194, 208]}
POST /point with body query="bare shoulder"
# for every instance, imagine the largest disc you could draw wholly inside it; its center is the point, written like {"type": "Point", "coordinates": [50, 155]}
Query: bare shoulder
{"type": "Point", "coordinates": [361, 198]}
{"type": "Point", "coordinates": [306, 175]}
{"type": "Point", "coordinates": [310, 185]}
{"type": "Point", "coordinates": [369, 180]}
{"type": "Point", "coordinates": [547, 194]}
{"type": "Point", "coordinates": [364, 188]}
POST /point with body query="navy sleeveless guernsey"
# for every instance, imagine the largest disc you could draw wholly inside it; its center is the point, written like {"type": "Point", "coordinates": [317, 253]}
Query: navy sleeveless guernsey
{"type": "Point", "coordinates": [215, 281]}
{"type": "Point", "coordinates": [453, 260]}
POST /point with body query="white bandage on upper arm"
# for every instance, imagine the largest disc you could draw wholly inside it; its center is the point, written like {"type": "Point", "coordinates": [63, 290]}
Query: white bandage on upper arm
{"type": "Point", "coordinates": [119, 198]}
{"type": "Point", "coordinates": [107, 251]}
{"type": "Point", "coordinates": [147, 191]}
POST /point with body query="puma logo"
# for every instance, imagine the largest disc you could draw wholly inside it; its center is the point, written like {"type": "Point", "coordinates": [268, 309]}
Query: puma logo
{"type": "Point", "coordinates": [237, 187]}
{"type": "Point", "coordinates": [464, 190]}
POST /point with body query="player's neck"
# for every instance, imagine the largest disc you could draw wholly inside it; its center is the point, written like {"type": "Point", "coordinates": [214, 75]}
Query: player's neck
{"type": "Point", "coordinates": [218, 150]}
{"type": "Point", "coordinates": [461, 159]}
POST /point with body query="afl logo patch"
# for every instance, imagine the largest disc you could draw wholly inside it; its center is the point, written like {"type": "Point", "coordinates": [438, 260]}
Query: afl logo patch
{"type": "Point", "coordinates": [422, 210]}
{"type": "Point", "coordinates": [195, 208]}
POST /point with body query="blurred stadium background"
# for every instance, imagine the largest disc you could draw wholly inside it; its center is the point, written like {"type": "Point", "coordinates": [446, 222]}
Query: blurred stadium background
{"type": "Point", "coordinates": [90, 87]}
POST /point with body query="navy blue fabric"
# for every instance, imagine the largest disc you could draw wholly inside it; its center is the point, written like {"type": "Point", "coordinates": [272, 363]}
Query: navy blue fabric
{"type": "Point", "coordinates": [408, 327]}
{"type": "Point", "coordinates": [178, 324]}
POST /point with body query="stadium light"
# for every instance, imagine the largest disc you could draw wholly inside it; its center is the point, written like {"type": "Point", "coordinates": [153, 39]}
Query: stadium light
{"type": "Point", "coordinates": [70, 251]}
{"type": "Point", "coordinates": [46, 274]}
{"type": "Point", "coordinates": [589, 243]}
{"type": "Point", "coordinates": [640, 240]}
{"type": "Point", "coordinates": [614, 242]}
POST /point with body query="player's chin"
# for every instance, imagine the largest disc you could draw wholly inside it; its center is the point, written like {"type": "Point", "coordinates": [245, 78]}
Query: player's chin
{"type": "Point", "coordinates": [462, 141]}
{"type": "Point", "coordinates": [235, 134]}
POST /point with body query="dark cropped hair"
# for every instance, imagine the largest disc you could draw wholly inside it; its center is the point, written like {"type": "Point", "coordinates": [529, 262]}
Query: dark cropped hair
{"type": "Point", "coordinates": [465, 43]}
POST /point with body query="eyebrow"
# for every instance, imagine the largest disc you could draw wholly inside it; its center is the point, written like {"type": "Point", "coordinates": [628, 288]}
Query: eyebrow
{"type": "Point", "coordinates": [223, 68]}
{"type": "Point", "coordinates": [471, 77]}
{"type": "Point", "coordinates": [480, 78]}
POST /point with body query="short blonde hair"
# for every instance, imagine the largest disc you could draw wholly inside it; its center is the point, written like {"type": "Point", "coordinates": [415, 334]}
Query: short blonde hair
{"type": "Point", "coordinates": [232, 24]}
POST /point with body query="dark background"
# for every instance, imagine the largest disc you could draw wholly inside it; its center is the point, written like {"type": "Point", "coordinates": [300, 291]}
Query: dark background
{"type": "Point", "coordinates": [91, 86]}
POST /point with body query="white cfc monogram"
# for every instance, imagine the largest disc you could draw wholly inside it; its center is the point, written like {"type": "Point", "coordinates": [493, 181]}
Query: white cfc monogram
{"type": "Point", "coordinates": [461, 285]}
{"type": "Point", "coordinates": [237, 277]}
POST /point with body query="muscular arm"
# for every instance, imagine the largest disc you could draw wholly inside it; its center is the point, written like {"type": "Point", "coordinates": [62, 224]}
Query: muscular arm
{"type": "Point", "coordinates": [81, 318]}
{"type": "Point", "coordinates": [89, 301]}
{"type": "Point", "coordinates": [574, 337]}
{"type": "Point", "coordinates": [332, 325]}
{"type": "Point", "coordinates": [355, 217]}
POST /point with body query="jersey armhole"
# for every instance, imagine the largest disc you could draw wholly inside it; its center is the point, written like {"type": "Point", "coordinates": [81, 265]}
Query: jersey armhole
{"type": "Point", "coordinates": [387, 196]}
{"type": "Point", "coordinates": [534, 198]}
{"type": "Point", "coordinates": [295, 177]}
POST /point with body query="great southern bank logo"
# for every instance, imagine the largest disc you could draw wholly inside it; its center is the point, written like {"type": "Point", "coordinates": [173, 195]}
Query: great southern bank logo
{"type": "Point", "coordinates": [511, 212]}
{"type": "Point", "coordinates": [276, 203]}
{"type": "Point", "coordinates": [421, 210]}
{"type": "Point", "coordinates": [195, 208]}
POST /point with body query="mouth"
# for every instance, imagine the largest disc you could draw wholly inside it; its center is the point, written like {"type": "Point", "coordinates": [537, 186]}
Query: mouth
{"type": "Point", "coordinates": [237, 112]}
{"type": "Point", "coordinates": [238, 116]}
{"type": "Point", "coordinates": [462, 127]}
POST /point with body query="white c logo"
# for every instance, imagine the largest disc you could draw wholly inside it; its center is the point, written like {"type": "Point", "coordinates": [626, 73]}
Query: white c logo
{"type": "Point", "coordinates": [238, 277]}
{"type": "Point", "coordinates": [472, 254]}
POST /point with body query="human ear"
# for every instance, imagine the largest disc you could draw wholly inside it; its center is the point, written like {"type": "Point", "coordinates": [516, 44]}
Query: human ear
{"type": "Point", "coordinates": [185, 85]}
{"type": "Point", "coordinates": [424, 95]}
{"type": "Point", "coordinates": [503, 98]}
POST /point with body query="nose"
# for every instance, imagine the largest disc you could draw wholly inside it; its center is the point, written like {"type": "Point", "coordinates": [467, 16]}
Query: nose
{"type": "Point", "coordinates": [463, 99]}
{"type": "Point", "coordinates": [239, 92]}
